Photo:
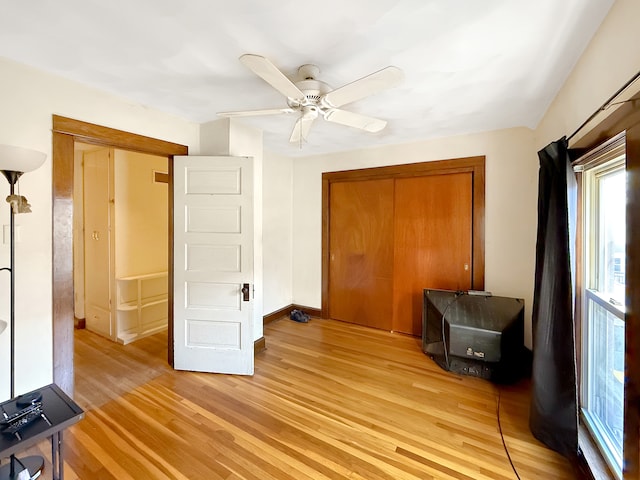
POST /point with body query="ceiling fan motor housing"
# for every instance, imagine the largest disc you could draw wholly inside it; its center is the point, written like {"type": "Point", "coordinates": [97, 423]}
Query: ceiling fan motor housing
{"type": "Point", "coordinates": [313, 91]}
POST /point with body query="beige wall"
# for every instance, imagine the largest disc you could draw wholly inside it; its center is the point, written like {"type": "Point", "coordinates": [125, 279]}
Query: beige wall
{"type": "Point", "coordinates": [141, 214]}
{"type": "Point", "coordinates": [29, 98]}
{"type": "Point", "coordinates": [609, 61]}
{"type": "Point", "coordinates": [277, 232]}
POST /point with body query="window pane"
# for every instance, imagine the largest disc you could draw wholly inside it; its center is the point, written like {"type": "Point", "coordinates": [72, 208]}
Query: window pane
{"type": "Point", "coordinates": [602, 379]}
{"type": "Point", "coordinates": [605, 405]}
{"type": "Point", "coordinates": [611, 200]}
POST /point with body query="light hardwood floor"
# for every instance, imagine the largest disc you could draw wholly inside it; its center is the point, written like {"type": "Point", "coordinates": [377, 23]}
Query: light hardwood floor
{"type": "Point", "coordinates": [328, 400]}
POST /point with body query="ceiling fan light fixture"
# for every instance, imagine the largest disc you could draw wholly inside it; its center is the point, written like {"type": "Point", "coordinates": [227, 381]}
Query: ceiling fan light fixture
{"type": "Point", "coordinates": [310, 111]}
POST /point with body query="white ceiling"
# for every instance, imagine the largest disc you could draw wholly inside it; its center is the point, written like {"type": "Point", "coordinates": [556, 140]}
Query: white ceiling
{"type": "Point", "coordinates": [469, 65]}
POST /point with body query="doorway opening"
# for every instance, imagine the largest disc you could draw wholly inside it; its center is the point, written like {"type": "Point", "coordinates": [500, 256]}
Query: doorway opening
{"type": "Point", "coordinates": [120, 242]}
{"type": "Point", "coordinates": [66, 133]}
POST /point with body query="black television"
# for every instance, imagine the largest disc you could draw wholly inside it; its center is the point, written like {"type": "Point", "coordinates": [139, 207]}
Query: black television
{"type": "Point", "coordinates": [474, 333]}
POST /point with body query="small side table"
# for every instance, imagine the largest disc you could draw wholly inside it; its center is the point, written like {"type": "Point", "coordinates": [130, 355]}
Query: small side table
{"type": "Point", "coordinates": [61, 411]}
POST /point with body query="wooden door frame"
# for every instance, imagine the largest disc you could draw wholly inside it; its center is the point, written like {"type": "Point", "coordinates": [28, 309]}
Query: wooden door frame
{"type": "Point", "coordinates": [65, 133]}
{"type": "Point", "coordinates": [473, 165]}
{"type": "Point", "coordinates": [632, 317]}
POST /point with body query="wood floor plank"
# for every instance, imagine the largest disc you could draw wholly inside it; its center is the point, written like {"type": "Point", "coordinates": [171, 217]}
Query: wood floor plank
{"type": "Point", "coordinates": [328, 400]}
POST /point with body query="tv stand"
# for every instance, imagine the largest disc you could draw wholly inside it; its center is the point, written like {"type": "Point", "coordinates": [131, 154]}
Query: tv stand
{"type": "Point", "coordinates": [60, 410]}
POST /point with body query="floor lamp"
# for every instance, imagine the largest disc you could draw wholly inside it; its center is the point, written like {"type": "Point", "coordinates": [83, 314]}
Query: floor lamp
{"type": "Point", "coordinates": [14, 161]}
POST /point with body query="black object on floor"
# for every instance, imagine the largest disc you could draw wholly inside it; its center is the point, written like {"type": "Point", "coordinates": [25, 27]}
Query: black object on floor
{"type": "Point", "coordinates": [299, 316]}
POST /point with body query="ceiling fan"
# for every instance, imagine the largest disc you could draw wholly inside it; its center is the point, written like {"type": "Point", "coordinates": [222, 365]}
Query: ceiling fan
{"type": "Point", "coordinates": [311, 98]}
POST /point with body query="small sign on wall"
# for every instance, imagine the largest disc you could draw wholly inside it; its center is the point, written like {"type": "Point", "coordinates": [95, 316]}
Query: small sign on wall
{"type": "Point", "coordinates": [160, 177]}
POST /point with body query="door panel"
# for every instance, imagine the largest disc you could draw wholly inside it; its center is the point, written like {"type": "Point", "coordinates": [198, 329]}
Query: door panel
{"type": "Point", "coordinates": [213, 245]}
{"type": "Point", "coordinates": [432, 242]}
{"type": "Point", "coordinates": [361, 258]}
{"type": "Point", "coordinates": [97, 178]}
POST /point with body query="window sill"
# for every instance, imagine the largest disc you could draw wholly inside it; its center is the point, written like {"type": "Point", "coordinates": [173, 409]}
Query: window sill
{"type": "Point", "coordinates": [597, 466]}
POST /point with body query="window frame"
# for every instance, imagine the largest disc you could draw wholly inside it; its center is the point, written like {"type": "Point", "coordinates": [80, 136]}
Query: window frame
{"type": "Point", "coordinates": [607, 157]}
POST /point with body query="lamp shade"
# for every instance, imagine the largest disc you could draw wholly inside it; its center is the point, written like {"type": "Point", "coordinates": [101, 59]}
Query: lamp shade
{"type": "Point", "coordinates": [3, 325]}
{"type": "Point", "coordinates": [18, 159]}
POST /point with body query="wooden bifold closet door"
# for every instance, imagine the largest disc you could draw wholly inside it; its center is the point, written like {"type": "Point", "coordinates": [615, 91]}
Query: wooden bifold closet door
{"type": "Point", "coordinates": [390, 238]}
{"type": "Point", "coordinates": [432, 242]}
{"type": "Point", "coordinates": [361, 244]}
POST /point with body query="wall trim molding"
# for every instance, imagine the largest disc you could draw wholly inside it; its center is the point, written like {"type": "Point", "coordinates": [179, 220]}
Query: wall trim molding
{"type": "Point", "coordinates": [259, 345]}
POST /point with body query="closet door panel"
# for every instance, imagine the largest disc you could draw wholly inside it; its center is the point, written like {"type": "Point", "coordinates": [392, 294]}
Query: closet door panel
{"type": "Point", "coordinates": [432, 242]}
{"type": "Point", "coordinates": [361, 258]}
{"type": "Point", "coordinates": [98, 240]}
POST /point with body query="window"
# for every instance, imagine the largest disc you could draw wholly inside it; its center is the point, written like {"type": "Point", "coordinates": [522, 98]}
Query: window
{"type": "Point", "coordinates": [603, 316]}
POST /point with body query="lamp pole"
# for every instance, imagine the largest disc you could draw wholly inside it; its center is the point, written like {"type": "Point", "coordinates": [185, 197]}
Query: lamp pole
{"type": "Point", "coordinates": [12, 178]}
{"type": "Point", "coordinates": [14, 161]}
{"type": "Point", "coordinates": [34, 463]}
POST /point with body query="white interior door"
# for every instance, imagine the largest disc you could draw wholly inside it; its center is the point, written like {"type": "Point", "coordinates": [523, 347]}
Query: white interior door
{"type": "Point", "coordinates": [213, 264]}
{"type": "Point", "coordinates": [98, 260]}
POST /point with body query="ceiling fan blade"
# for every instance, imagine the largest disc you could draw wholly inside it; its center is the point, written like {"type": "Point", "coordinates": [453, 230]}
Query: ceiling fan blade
{"type": "Point", "coordinates": [301, 129]}
{"type": "Point", "coordinates": [355, 120]}
{"type": "Point", "coordinates": [365, 86]}
{"type": "Point", "coordinates": [253, 113]}
{"type": "Point", "coordinates": [270, 74]}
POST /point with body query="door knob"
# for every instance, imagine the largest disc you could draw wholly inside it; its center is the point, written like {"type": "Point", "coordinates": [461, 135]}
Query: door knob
{"type": "Point", "coordinates": [245, 292]}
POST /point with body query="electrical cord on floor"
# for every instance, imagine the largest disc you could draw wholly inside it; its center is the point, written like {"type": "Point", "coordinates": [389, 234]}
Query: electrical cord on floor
{"type": "Point", "coordinates": [506, 450]}
{"type": "Point", "coordinates": [444, 339]}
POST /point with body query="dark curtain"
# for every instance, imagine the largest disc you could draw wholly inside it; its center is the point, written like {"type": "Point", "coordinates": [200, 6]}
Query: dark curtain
{"type": "Point", "coordinates": [554, 408]}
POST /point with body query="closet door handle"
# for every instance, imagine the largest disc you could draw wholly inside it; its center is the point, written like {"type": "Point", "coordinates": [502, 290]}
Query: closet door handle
{"type": "Point", "coordinates": [245, 292]}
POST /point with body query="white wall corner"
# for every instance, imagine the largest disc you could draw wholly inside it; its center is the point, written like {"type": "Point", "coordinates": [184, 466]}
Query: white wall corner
{"type": "Point", "coordinates": [228, 137]}
{"type": "Point", "coordinates": [245, 140]}
{"type": "Point", "coordinates": [215, 137]}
